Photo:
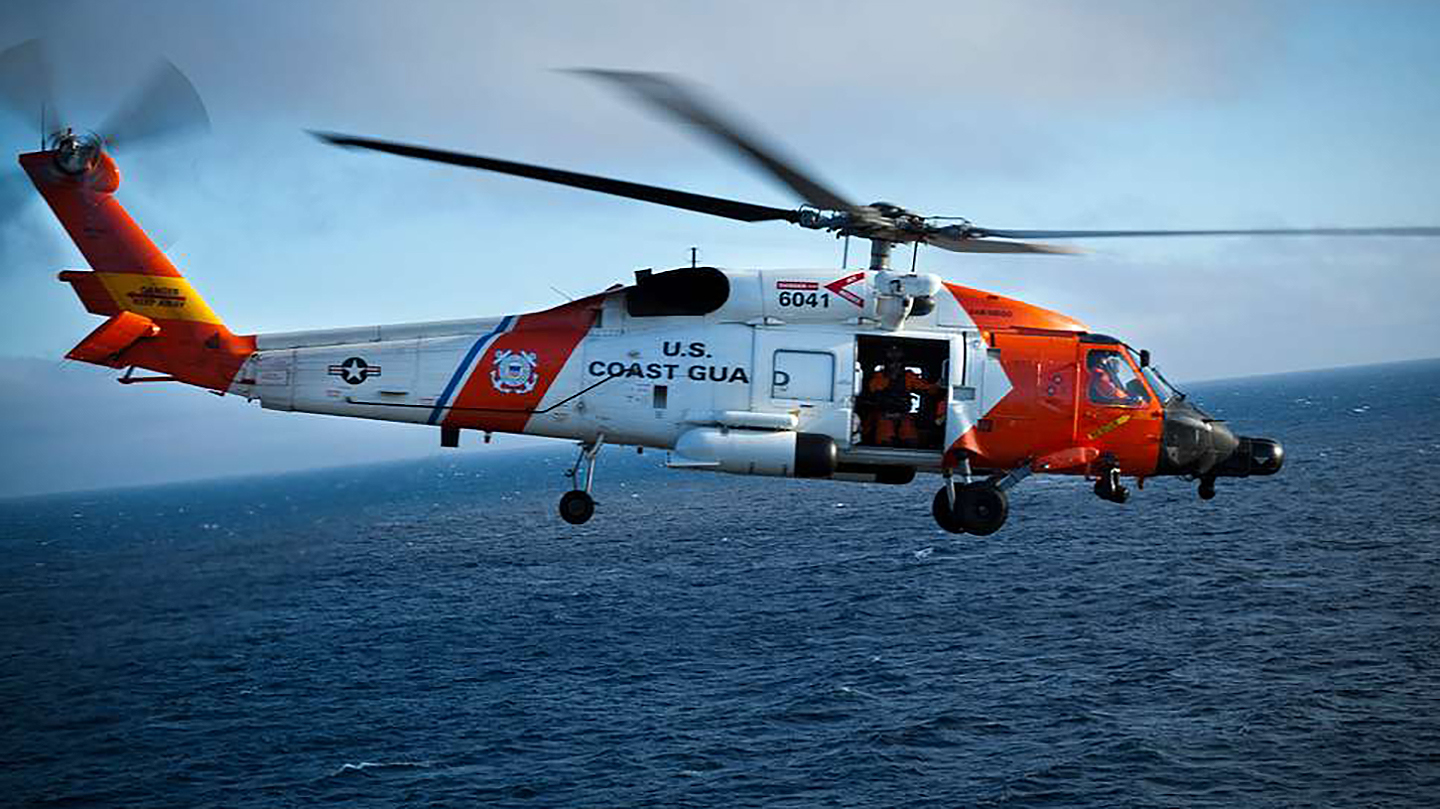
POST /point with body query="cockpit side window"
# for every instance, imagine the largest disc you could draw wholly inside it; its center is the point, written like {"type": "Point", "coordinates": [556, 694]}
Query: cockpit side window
{"type": "Point", "coordinates": [1112, 381]}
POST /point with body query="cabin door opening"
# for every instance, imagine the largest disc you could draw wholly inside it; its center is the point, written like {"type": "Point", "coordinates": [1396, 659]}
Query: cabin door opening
{"type": "Point", "coordinates": [902, 392]}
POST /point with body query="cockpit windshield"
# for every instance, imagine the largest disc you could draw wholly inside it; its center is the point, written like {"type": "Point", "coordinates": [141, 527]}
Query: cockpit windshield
{"type": "Point", "coordinates": [1164, 390]}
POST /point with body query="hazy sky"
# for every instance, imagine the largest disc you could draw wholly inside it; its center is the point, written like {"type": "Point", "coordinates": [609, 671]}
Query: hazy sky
{"type": "Point", "coordinates": [1016, 114]}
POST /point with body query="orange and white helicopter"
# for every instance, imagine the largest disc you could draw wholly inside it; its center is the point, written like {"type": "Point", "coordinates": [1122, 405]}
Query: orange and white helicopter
{"type": "Point", "coordinates": [868, 375]}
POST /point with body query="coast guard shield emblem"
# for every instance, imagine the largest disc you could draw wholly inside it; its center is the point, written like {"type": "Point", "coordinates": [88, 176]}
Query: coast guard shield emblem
{"type": "Point", "coordinates": [514, 371]}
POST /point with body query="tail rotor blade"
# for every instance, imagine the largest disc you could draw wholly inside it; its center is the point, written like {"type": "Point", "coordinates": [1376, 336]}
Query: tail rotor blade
{"type": "Point", "coordinates": [27, 83]}
{"type": "Point", "coordinates": [165, 106]}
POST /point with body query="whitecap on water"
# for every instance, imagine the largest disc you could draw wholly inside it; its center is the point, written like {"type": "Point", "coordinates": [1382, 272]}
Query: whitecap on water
{"type": "Point", "coordinates": [379, 765]}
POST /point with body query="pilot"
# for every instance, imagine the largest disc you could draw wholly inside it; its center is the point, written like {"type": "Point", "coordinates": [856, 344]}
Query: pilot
{"type": "Point", "coordinates": [1105, 385]}
{"type": "Point", "coordinates": [889, 389]}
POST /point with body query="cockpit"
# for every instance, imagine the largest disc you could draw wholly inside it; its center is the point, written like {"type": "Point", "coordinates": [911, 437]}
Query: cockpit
{"type": "Point", "coordinates": [1116, 378]}
{"type": "Point", "coordinates": [1111, 380]}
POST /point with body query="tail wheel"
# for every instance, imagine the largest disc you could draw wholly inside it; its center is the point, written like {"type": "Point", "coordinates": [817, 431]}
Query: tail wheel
{"type": "Point", "coordinates": [946, 517]}
{"type": "Point", "coordinates": [576, 507]}
{"type": "Point", "coordinates": [982, 508]}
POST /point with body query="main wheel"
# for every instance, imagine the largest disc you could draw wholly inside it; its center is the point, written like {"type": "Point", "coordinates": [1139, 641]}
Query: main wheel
{"type": "Point", "coordinates": [945, 517]}
{"type": "Point", "coordinates": [982, 508]}
{"type": "Point", "coordinates": [576, 507]}
{"type": "Point", "coordinates": [1207, 488]}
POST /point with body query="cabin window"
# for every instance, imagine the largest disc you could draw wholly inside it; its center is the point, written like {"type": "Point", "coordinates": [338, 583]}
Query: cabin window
{"type": "Point", "coordinates": [807, 375]}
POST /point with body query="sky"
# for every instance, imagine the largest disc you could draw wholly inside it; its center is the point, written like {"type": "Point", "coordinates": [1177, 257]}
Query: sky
{"type": "Point", "coordinates": [1023, 114]}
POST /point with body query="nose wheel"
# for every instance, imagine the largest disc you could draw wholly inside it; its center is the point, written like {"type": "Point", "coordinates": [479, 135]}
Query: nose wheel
{"type": "Point", "coordinates": [577, 506]}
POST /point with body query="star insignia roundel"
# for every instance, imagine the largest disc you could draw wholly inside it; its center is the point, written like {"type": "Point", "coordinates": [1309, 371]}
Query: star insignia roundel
{"type": "Point", "coordinates": [354, 370]}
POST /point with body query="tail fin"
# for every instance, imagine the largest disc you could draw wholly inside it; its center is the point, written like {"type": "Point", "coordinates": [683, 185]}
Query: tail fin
{"type": "Point", "coordinates": [156, 318]}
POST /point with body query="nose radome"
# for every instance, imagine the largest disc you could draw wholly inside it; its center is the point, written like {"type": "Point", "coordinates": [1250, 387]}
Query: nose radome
{"type": "Point", "coordinates": [1194, 444]}
{"type": "Point", "coordinates": [1276, 455]}
{"type": "Point", "coordinates": [1253, 456]}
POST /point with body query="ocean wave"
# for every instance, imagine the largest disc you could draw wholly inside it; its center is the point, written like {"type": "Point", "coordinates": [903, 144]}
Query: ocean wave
{"type": "Point", "coordinates": [364, 767]}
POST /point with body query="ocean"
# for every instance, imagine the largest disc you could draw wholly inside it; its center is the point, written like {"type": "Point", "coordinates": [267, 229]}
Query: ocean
{"type": "Point", "coordinates": [431, 634]}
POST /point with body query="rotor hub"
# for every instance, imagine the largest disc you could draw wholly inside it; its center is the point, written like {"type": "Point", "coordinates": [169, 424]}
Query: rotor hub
{"type": "Point", "coordinates": [76, 154]}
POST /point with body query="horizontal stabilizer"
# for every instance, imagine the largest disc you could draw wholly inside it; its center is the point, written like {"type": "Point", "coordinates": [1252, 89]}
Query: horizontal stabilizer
{"type": "Point", "coordinates": [105, 345]}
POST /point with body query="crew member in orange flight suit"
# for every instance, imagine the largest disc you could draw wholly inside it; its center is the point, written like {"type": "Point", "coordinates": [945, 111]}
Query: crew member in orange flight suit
{"type": "Point", "coordinates": [890, 389]}
{"type": "Point", "coordinates": [1105, 388]}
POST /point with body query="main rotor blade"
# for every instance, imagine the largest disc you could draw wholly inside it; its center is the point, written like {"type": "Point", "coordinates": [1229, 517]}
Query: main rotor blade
{"type": "Point", "coordinates": [673, 98]}
{"type": "Point", "coordinates": [165, 106]}
{"type": "Point", "coordinates": [1100, 234]}
{"type": "Point", "coordinates": [972, 245]}
{"type": "Point", "coordinates": [716, 206]}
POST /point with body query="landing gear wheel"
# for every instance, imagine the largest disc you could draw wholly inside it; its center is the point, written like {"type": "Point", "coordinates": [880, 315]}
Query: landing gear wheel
{"type": "Point", "coordinates": [1207, 488]}
{"type": "Point", "coordinates": [945, 517]}
{"type": "Point", "coordinates": [982, 508]}
{"type": "Point", "coordinates": [576, 507]}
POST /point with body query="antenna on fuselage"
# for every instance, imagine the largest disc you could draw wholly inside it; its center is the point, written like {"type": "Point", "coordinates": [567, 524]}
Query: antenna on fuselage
{"type": "Point", "coordinates": [694, 251]}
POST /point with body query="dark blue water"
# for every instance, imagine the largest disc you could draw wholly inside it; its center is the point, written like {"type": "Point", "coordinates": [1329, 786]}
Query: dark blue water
{"type": "Point", "coordinates": [431, 634]}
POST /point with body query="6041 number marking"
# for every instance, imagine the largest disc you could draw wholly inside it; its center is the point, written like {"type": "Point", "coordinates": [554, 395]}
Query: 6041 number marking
{"type": "Point", "coordinates": [817, 300]}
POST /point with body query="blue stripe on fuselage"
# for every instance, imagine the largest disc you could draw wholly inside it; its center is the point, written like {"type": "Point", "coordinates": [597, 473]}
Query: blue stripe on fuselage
{"type": "Point", "coordinates": [479, 346]}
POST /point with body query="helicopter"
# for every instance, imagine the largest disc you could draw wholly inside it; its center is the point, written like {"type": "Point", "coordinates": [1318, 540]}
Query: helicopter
{"type": "Point", "coordinates": [866, 375]}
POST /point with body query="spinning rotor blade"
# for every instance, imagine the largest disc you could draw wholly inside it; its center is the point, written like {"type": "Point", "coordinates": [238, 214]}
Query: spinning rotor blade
{"type": "Point", "coordinates": [716, 206]}
{"type": "Point", "coordinates": [1099, 234]}
{"type": "Point", "coordinates": [167, 105]}
{"type": "Point", "coordinates": [668, 95]}
{"type": "Point", "coordinates": [27, 83]}
{"type": "Point", "coordinates": [957, 244]}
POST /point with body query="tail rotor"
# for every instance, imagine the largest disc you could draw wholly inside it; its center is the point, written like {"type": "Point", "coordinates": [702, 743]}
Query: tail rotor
{"type": "Point", "coordinates": [163, 107]}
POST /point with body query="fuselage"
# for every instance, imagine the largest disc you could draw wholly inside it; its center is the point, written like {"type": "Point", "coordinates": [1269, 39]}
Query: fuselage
{"type": "Point", "coordinates": [747, 350]}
